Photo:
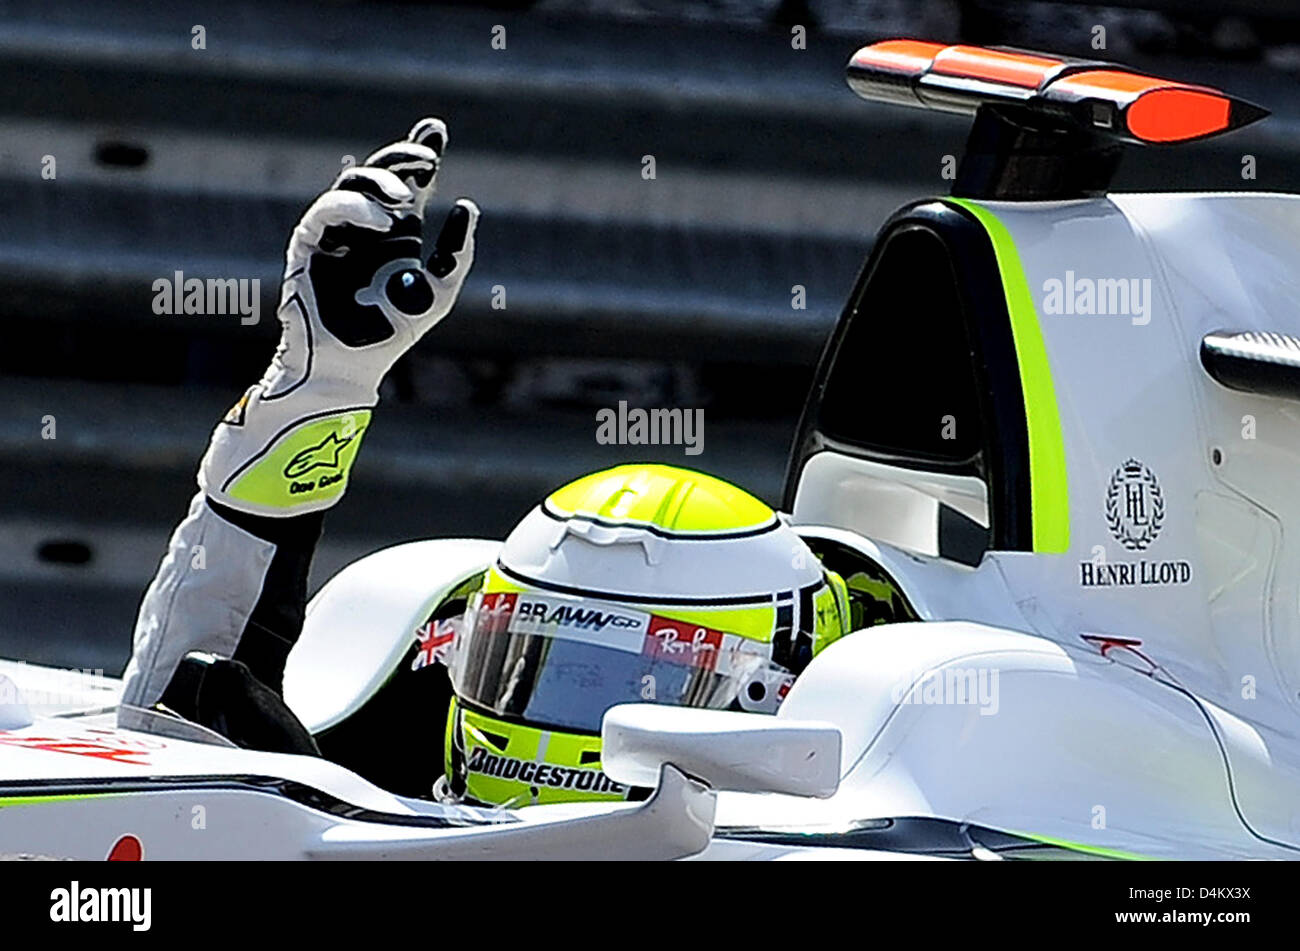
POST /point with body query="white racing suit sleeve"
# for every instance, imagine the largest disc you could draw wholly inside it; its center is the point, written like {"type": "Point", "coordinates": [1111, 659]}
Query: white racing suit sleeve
{"type": "Point", "coordinates": [357, 294]}
{"type": "Point", "coordinates": [201, 599]}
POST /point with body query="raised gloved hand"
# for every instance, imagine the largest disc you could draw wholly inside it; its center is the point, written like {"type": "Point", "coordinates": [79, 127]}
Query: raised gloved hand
{"type": "Point", "coordinates": [357, 294]}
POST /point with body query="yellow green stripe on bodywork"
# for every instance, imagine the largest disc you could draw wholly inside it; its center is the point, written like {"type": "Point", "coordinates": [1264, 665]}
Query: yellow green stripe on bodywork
{"type": "Point", "coordinates": [1097, 850]}
{"type": "Point", "coordinates": [41, 800]}
{"type": "Point", "coordinates": [1049, 491]}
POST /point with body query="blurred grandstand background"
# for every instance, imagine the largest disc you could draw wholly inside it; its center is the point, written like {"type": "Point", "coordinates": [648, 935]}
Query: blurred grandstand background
{"type": "Point", "coordinates": [769, 173]}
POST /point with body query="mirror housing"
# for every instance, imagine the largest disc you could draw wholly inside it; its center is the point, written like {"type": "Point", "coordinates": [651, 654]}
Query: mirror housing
{"type": "Point", "coordinates": [735, 752]}
{"type": "Point", "coordinates": [14, 713]}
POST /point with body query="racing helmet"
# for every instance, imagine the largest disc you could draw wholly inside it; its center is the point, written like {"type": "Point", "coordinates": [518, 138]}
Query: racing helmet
{"type": "Point", "coordinates": [641, 583]}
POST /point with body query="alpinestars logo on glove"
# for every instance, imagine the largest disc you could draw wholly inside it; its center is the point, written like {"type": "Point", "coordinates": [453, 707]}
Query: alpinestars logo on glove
{"type": "Point", "coordinates": [541, 774]}
{"type": "Point", "coordinates": [324, 455]}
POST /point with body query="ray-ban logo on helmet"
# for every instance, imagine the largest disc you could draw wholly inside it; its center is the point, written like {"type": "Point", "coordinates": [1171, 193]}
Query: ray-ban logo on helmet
{"type": "Point", "coordinates": [1135, 506]}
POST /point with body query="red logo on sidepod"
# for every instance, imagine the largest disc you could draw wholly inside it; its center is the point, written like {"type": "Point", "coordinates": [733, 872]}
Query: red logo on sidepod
{"type": "Point", "coordinates": [126, 849]}
{"type": "Point", "coordinates": [107, 745]}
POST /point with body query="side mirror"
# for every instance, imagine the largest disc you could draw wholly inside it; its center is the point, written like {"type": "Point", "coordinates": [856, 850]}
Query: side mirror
{"type": "Point", "coordinates": [736, 752]}
{"type": "Point", "coordinates": [14, 714]}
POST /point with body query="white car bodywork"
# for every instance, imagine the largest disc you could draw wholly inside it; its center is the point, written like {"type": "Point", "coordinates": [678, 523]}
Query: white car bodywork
{"type": "Point", "coordinates": [1158, 716]}
{"type": "Point", "coordinates": [1154, 719]}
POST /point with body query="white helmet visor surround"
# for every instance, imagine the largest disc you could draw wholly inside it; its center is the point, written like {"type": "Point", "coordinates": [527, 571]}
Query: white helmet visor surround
{"type": "Point", "coordinates": [563, 661]}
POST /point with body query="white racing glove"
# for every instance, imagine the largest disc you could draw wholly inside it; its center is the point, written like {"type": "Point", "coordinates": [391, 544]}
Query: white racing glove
{"type": "Point", "coordinates": [356, 295]}
{"type": "Point", "coordinates": [212, 638]}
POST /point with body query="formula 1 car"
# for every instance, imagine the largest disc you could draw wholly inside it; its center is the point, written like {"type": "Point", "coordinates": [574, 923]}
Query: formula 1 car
{"type": "Point", "coordinates": [1081, 609]}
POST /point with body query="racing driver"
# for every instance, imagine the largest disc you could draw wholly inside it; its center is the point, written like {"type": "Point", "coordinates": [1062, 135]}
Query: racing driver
{"type": "Point", "coordinates": [640, 583]}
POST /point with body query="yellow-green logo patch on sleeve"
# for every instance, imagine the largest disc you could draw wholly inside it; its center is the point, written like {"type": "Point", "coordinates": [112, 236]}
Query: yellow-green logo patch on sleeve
{"type": "Point", "coordinates": [306, 464]}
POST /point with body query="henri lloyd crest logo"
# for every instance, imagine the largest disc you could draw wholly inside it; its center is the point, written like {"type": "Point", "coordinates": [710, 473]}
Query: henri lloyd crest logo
{"type": "Point", "coordinates": [1135, 507]}
{"type": "Point", "coordinates": [1135, 513]}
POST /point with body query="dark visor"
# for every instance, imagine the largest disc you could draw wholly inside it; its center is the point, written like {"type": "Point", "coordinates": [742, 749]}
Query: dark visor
{"type": "Point", "coordinates": [562, 662]}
